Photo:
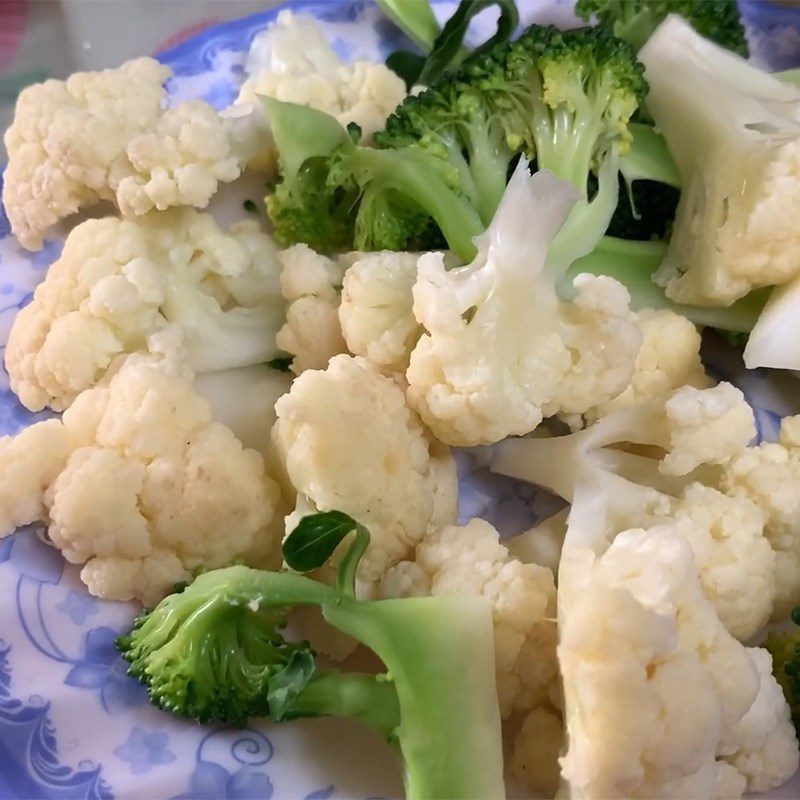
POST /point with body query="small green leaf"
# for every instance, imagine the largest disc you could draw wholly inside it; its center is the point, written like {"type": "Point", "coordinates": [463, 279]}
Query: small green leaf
{"type": "Point", "coordinates": [315, 538]}
{"type": "Point", "coordinates": [281, 363]}
{"type": "Point", "coordinates": [407, 66]}
{"type": "Point", "coordinates": [286, 684]}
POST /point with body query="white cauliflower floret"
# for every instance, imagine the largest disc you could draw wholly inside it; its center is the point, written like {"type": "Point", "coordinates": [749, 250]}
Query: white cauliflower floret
{"type": "Point", "coordinates": [106, 136]}
{"type": "Point", "coordinates": [770, 476]}
{"type": "Point", "coordinates": [500, 349]}
{"type": "Point", "coordinates": [310, 283]}
{"type": "Point", "coordinates": [376, 311]}
{"type": "Point", "coordinates": [734, 132]}
{"type": "Point", "coordinates": [762, 745]}
{"type": "Point", "coordinates": [735, 561]}
{"type": "Point", "coordinates": [471, 561]}
{"type": "Point", "coordinates": [349, 442]}
{"type": "Point", "coordinates": [638, 637]}
{"type": "Point", "coordinates": [171, 283]}
{"type": "Point", "coordinates": [668, 359]}
{"type": "Point", "coordinates": [142, 485]}
{"type": "Point", "coordinates": [292, 61]}
{"type": "Point", "coordinates": [537, 747]}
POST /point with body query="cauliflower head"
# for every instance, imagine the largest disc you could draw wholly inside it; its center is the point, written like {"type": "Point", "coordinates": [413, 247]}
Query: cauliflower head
{"type": "Point", "coordinates": [501, 351]}
{"type": "Point", "coordinates": [376, 311]}
{"type": "Point", "coordinates": [107, 136]}
{"type": "Point", "coordinates": [470, 560]}
{"type": "Point", "coordinates": [138, 482]}
{"type": "Point", "coordinates": [311, 284]}
{"type": "Point", "coordinates": [292, 61]}
{"type": "Point", "coordinates": [349, 442]}
{"type": "Point", "coordinates": [174, 284]}
{"type": "Point", "coordinates": [769, 474]}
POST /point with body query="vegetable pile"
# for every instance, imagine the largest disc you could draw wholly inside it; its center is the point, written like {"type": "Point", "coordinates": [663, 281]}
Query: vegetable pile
{"type": "Point", "coordinates": [516, 245]}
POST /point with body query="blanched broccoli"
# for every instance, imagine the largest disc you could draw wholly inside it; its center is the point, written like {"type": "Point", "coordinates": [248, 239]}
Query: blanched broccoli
{"type": "Point", "coordinates": [785, 650]}
{"type": "Point", "coordinates": [563, 98]}
{"type": "Point", "coordinates": [215, 652]}
{"type": "Point", "coordinates": [635, 20]}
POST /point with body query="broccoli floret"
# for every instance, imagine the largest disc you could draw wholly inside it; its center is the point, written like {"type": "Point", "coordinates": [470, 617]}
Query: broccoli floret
{"type": "Point", "coordinates": [785, 650]}
{"type": "Point", "coordinates": [635, 20]}
{"type": "Point", "coordinates": [634, 265]}
{"type": "Point", "coordinates": [215, 652]}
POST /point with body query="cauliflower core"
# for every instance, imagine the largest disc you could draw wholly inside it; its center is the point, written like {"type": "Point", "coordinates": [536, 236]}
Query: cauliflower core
{"type": "Point", "coordinates": [349, 442]}
{"type": "Point", "coordinates": [171, 283]}
{"type": "Point", "coordinates": [106, 136]}
{"type": "Point", "coordinates": [139, 485]}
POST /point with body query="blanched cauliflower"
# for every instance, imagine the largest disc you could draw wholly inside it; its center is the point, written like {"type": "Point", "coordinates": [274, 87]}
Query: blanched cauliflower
{"type": "Point", "coordinates": [734, 132]}
{"type": "Point", "coordinates": [310, 283]}
{"type": "Point", "coordinates": [139, 485]}
{"type": "Point", "coordinates": [500, 349]}
{"type": "Point", "coordinates": [637, 638]}
{"type": "Point", "coordinates": [293, 62]}
{"type": "Point", "coordinates": [349, 442]}
{"type": "Point", "coordinates": [537, 746]}
{"type": "Point", "coordinates": [471, 561]}
{"type": "Point", "coordinates": [376, 311]}
{"type": "Point", "coordinates": [106, 136]}
{"type": "Point", "coordinates": [770, 476]}
{"type": "Point", "coordinates": [171, 283]}
{"type": "Point", "coordinates": [668, 359]}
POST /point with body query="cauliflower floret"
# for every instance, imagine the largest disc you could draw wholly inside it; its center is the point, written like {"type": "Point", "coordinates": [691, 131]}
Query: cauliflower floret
{"type": "Point", "coordinates": [293, 62]}
{"type": "Point", "coordinates": [500, 349]}
{"type": "Point", "coordinates": [769, 474]}
{"type": "Point", "coordinates": [349, 442]}
{"type": "Point", "coordinates": [376, 311]}
{"type": "Point", "coordinates": [734, 132]}
{"type": "Point", "coordinates": [735, 561]}
{"type": "Point", "coordinates": [537, 747]}
{"type": "Point", "coordinates": [637, 636]}
{"type": "Point", "coordinates": [171, 283]}
{"type": "Point", "coordinates": [138, 483]}
{"type": "Point", "coordinates": [310, 283]}
{"type": "Point", "coordinates": [106, 136]}
{"type": "Point", "coordinates": [471, 561]}
{"type": "Point", "coordinates": [668, 359]}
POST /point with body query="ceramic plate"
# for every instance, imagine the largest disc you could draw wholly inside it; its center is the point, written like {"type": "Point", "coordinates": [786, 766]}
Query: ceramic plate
{"type": "Point", "coordinates": [72, 725]}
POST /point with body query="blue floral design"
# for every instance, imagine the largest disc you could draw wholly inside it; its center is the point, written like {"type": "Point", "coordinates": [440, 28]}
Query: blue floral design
{"type": "Point", "coordinates": [102, 668]}
{"type": "Point", "coordinates": [32, 558]}
{"type": "Point", "coordinates": [144, 750]}
{"type": "Point", "coordinates": [211, 781]}
{"type": "Point", "coordinates": [78, 606]}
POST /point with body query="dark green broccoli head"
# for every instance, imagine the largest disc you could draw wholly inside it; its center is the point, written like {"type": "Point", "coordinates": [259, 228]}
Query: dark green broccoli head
{"type": "Point", "coordinates": [635, 20]}
{"type": "Point", "coordinates": [785, 650]}
{"type": "Point", "coordinates": [214, 652]}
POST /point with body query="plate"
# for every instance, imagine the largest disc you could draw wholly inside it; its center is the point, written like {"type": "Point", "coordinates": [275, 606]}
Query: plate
{"type": "Point", "coordinates": [72, 725]}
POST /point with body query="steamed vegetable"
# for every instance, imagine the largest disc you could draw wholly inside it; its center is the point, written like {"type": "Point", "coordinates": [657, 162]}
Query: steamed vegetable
{"type": "Point", "coordinates": [215, 652]}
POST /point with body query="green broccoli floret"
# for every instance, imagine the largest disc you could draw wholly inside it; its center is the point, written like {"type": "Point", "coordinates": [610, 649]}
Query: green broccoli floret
{"type": "Point", "coordinates": [215, 652]}
{"type": "Point", "coordinates": [634, 264]}
{"type": "Point", "coordinates": [785, 650]}
{"type": "Point", "coordinates": [635, 20]}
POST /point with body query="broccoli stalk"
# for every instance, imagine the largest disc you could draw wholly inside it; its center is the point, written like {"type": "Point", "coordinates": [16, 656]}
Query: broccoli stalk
{"type": "Point", "coordinates": [215, 652]}
{"type": "Point", "coordinates": [635, 20]}
{"type": "Point", "coordinates": [784, 647]}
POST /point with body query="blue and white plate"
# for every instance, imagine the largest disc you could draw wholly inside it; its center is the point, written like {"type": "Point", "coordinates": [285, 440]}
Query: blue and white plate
{"type": "Point", "coordinates": [72, 725]}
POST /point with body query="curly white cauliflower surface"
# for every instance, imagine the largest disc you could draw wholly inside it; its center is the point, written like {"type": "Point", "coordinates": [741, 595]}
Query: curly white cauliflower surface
{"type": "Point", "coordinates": [500, 349]}
{"type": "Point", "coordinates": [106, 136]}
{"type": "Point", "coordinates": [310, 284]}
{"type": "Point", "coordinates": [470, 560]}
{"type": "Point", "coordinates": [350, 442]}
{"type": "Point", "coordinates": [668, 359]}
{"type": "Point", "coordinates": [638, 637]}
{"type": "Point", "coordinates": [376, 312]}
{"type": "Point", "coordinates": [172, 283]}
{"type": "Point", "coordinates": [770, 476]}
{"type": "Point", "coordinates": [138, 484]}
{"type": "Point", "coordinates": [292, 61]}
{"type": "Point", "coordinates": [537, 746]}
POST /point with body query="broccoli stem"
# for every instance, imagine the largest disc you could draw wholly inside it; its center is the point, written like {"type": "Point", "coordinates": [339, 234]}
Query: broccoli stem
{"type": "Point", "coordinates": [489, 160]}
{"type": "Point", "coordinates": [439, 654]}
{"type": "Point", "coordinates": [370, 699]}
{"type": "Point", "coordinates": [633, 264]}
{"type": "Point", "coordinates": [648, 158]}
{"type": "Point", "coordinates": [414, 174]}
{"type": "Point", "coordinates": [415, 18]}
